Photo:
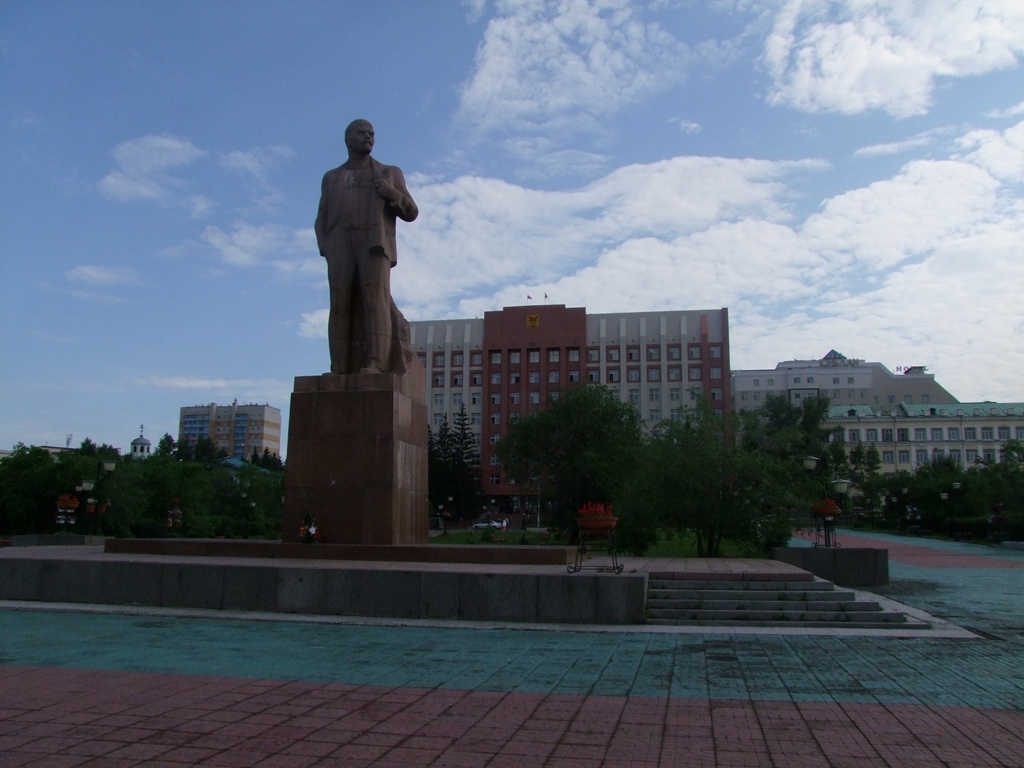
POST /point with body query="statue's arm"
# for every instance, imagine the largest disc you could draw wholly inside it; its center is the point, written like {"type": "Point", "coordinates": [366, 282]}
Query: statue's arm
{"type": "Point", "coordinates": [320, 226]}
{"type": "Point", "coordinates": [402, 201]}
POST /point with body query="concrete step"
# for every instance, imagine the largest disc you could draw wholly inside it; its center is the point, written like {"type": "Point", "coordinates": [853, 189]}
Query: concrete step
{"type": "Point", "coordinates": [758, 595]}
{"type": "Point", "coordinates": [746, 577]}
{"type": "Point", "coordinates": [795, 617]}
{"type": "Point", "coordinates": [908, 624]}
{"type": "Point", "coordinates": [750, 586]}
{"type": "Point", "coordinates": [764, 605]}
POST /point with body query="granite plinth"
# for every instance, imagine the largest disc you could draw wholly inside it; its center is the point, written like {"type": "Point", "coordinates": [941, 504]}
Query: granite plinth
{"type": "Point", "coordinates": [357, 458]}
{"type": "Point", "coordinates": [845, 566]}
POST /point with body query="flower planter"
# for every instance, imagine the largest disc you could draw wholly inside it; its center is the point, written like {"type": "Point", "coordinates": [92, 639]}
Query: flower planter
{"type": "Point", "coordinates": [592, 525]}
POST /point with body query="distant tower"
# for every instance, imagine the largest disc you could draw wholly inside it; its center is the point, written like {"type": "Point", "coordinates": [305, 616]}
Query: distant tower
{"type": "Point", "coordinates": [141, 447]}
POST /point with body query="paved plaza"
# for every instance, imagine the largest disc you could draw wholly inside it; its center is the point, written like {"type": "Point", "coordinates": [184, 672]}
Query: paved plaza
{"type": "Point", "coordinates": [135, 687]}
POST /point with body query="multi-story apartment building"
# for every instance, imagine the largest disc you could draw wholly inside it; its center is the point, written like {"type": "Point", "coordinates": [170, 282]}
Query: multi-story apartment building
{"type": "Point", "coordinates": [513, 361]}
{"type": "Point", "coordinates": [909, 435]}
{"type": "Point", "coordinates": [237, 429]}
{"type": "Point", "coordinates": [844, 381]}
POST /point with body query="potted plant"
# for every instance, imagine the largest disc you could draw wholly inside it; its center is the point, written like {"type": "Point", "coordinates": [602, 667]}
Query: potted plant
{"type": "Point", "coordinates": [595, 517]}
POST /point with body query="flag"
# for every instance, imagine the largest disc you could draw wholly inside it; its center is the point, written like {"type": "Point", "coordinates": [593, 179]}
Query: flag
{"type": "Point", "coordinates": [545, 295]}
{"type": "Point", "coordinates": [529, 297]}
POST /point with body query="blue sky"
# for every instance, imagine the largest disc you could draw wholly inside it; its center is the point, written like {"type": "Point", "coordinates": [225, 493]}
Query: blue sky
{"type": "Point", "coordinates": [840, 175]}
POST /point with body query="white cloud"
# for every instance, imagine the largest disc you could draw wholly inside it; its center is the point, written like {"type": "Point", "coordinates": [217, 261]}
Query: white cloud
{"type": "Point", "coordinates": [250, 390]}
{"type": "Point", "coordinates": [314, 324]}
{"type": "Point", "coordinates": [922, 267]}
{"type": "Point", "coordinates": [1013, 111]}
{"type": "Point", "coordinates": [1001, 153]}
{"type": "Point", "coordinates": [895, 147]}
{"type": "Point", "coordinates": [859, 55]}
{"type": "Point", "coordinates": [142, 166]}
{"type": "Point", "coordinates": [559, 68]}
{"type": "Point", "coordinates": [98, 275]}
{"type": "Point", "coordinates": [688, 126]}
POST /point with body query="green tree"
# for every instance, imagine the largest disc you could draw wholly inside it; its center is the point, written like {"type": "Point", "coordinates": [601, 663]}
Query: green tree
{"type": "Point", "coordinates": [29, 487]}
{"type": "Point", "coordinates": [167, 446]}
{"type": "Point", "coordinates": [454, 468]}
{"type": "Point", "coordinates": [697, 476]}
{"type": "Point", "coordinates": [579, 448]}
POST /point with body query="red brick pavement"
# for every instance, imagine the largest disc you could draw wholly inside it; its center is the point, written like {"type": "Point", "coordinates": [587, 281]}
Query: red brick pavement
{"type": "Point", "coordinates": [70, 717]}
{"type": "Point", "coordinates": [923, 556]}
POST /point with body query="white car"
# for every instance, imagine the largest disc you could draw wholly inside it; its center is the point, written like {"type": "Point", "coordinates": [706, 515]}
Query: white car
{"type": "Point", "coordinates": [486, 524]}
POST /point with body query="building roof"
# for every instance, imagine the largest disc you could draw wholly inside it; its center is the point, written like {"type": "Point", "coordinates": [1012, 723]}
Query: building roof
{"type": "Point", "coordinates": [915, 410]}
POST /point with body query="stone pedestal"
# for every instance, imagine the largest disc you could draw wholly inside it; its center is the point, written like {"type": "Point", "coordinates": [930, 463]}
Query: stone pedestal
{"type": "Point", "coordinates": [357, 458]}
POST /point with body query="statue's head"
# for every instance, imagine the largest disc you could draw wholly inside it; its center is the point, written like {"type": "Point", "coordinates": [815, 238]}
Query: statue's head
{"type": "Point", "coordinates": [359, 136]}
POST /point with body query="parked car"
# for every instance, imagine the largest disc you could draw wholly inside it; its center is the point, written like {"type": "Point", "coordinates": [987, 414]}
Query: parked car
{"type": "Point", "coordinates": [483, 524]}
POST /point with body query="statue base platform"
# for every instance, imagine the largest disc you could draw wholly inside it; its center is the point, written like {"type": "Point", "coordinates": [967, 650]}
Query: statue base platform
{"type": "Point", "coordinates": [357, 458]}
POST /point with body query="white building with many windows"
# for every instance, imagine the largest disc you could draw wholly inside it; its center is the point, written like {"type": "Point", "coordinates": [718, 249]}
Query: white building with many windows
{"type": "Point", "coordinates": [909, 435]}
{"type": "Point", "coordinates": [237, 429]}
{"type": "Point", "coordinates": [844, 381]}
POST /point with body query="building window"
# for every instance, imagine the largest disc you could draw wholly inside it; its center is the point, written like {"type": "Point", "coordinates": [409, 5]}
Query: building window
{"type": "Point", "coordinates": [456, 399]}
{"type": "Point", "coordinates": [903, 435]}
{"type": "Point", "coordinates": [693, 352]}
{"type": "Point", "coordinates": [954, 454]}
{"type": "Point", "coordinates": [613, 354]}
{"type": "Point", "coordinates": [632, 353]}
{"type": "Point", "coordinates": [716, 373]}
{"type": "Point", "coordinates": [936, 433]}
{"type": "Point", "coordinates": [593, 355]}
{"type": "Point", "coordinates": [438, 379]}
{"type": "Point", "coordinates": [534, 356]}
{"type": "Point", "coordinates": [534, 377]}
{"type": "Point", "coordinates": [972, 455]}
{"type": "Point", "coordinates": [513, 398]}
{"type": "Point", "coordinates": [953, 433]}
{"type": "Point", "coordinates": [654, 394]}
{"type": "Point", "coordinates": [849, 379]}
{"type": "Point", "coordinates": [574, 376]}
{"type": "Point", "coordinates": [475, 417]}
{"type": "Point", "coordinates": [986, 433]}
{"type": "Point", "coordinates": [675, 394]}
{"type": "Point", "coordinates": [495, 358]}
{"type": "Point", "coordinates": [715, 350]}
{"type": "Point", "coordinates": [716, 393]}
{"type": "Point", "coordinates": [476, 358]}
{"type": "Point", "coordinates": [476, 379]}
{"type": "Point", "coordinates": [921, 456]}
{"type": "Point", "coordinates": [514, 377]}
{"type": "Point", "coordinates": [989, 455]}
{"type": "Point", "coordinates": [495, 398]}
{"type": "Point", "coordinates": [495, 418]}
{"type": "Point", "coordinates": [903, 456]}
{"type": "Point", "coordinates": [887, 457]}
{"type": "Point", "coordinates": [970, 433]}
{"type": "Point", "coordinates": [654, 415]}
{"type": "Point", "coordinates": [439, 360]}
{"type": "Point", "coordinates": [495, 461]}
{"type": "Point", "coordinates": [1019, 432]}
{"type": "Point", "coordinates": [458, 359]}
{"type": "Point", "coordinates": [835, 379]}
{"type": "Point", "coordinates": [633, 374]}
{"type": "Point", "coordinates": [810, 379]}
{"type": "Point", "coordinates": [796, 379]}
{"type": "Point", "coordinates": [535, 397]}
{"type": "Point", "coordinates": [771, 382]}
{"type": "Point", "coordinates": [654, 353]}
{"type": "Point", "coordinates": [920, 434]}
{"type": "Point", "coordinates": [674, 352]}
{"type": "Point", "coordinates": [757, 382]}
{"type": "Point", "coordinates": [574, 355]}
{"type": "Point", "coordinates": [552, 377]}
{"type": "Point", "coordinates": [513, 357]}
{"type": "Point", "coordinates": [456, 379]}
{"type": "Point", "coordinates": [853, 435]}
{"type": "Point", "coordinates": [439, 399]}
{"type": "Point", "coordinates": [886, 435]}
{"type": "Point", "coordinates": [593, 375]}
{"type": "Point", "coordinates": [654, 374]}
{"type": "Point", "coordinates": [552, 396]}
{"type": "Point", "coordinates": [495, 378]}
{"type": "Point", "coordinates": [438, 419]}
{"type": "Point", "coordinates": [1004, 433]}
{"type": "Point", "coordinates": [495, 438]}
{"type": "Point", "coordinates": [937, 453]}
{"type": "Point", "coordinates": [423, 359]}
{"type": "Point", "coordinates": [613, 374]}
{"type": "Point", "coordinates": [871, 435]}
{"type": "Point", "coordinates": [634, 395]}
{"type": "Point", "coordinates": [675, 373]}
{"type": "Point", "coordinates": [694, 374]}
{"type": "Point", "coordinates": [495, 479]}
{"type": "Point", "coordinates": [552, 355]}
